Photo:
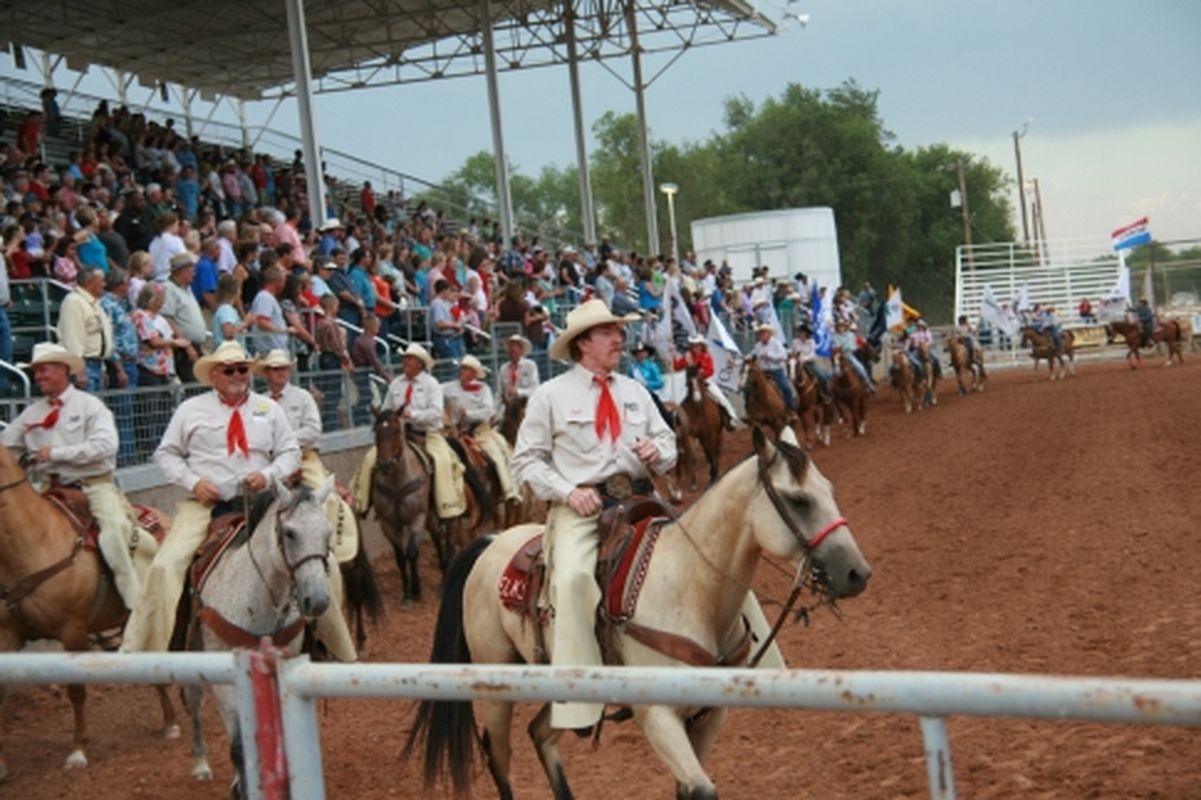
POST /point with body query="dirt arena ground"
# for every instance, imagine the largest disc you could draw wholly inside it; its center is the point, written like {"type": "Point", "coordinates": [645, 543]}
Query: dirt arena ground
{"type": "Point", "coordinates": [1037, 528]}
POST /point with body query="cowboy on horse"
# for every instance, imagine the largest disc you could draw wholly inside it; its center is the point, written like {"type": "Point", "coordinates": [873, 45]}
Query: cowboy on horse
{"type": "Point", "coordinates": [844, 339]}
{"type": "Point", "coordinates": [472, 407]}
{"type": "Point", "coordinates": [772, 359]}
{"type": "Point", "coordinates": [1146, 320]}
{"type": "Point", "coordinates": [220, 446]}
{"type": "Point", "coordinates": [419, 395]}
{"type": "Point", "coordinates": [72, 435]}
{"type": "Point", "coordinates": [698, 356]}
{"type": "Point", "coordinates": [588, 435]}
{"type": "Point", "coordinates": [805, 350]}
{"type": "Point", "coordinates": [519, 376]}
{"type": "Point", "coordinates": [967, 335]}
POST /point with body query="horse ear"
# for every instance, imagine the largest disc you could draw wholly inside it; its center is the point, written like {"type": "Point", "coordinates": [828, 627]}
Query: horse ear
{"type": "Point", "coordinates": [763, 448]}
{"type": "Point", "coordinates": [789, 435]}
{"type": "Point", "coordinates": [282, 493]}
{"type": "Point", "coordinates": [322, 493]}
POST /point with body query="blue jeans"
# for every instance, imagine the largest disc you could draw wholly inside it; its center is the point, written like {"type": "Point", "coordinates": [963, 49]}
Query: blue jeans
{"type": "Point", "coordinates": [94, 369]}
{"type": "Point", "coordinates": [862, 370]}
{"type": "Point", "coordinates": [784, 386]}
{"type": "Point", "coordinates": [447, 347]}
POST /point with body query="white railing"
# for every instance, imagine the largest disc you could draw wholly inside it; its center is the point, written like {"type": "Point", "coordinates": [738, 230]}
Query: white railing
{"type": "Point", "coordinates": [261, 677]}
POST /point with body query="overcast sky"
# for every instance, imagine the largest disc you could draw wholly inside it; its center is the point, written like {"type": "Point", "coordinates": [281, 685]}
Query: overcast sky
{"type": "Point", "coordinates": [1113, 88]}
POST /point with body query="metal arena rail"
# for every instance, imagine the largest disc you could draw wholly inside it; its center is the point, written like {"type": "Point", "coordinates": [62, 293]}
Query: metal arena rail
{"type": "Point", "coordinates": [932, 696]}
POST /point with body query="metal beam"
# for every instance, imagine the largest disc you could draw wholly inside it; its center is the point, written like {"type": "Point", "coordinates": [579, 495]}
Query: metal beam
{"type": "Point", "coordinates": [302, 75]}
{"type": "Point", "coordinates": [587, 215]}
{"type": "Point", "coordinates": [504, 198]}
{"type": "Point", "coordinates": [644, 144]}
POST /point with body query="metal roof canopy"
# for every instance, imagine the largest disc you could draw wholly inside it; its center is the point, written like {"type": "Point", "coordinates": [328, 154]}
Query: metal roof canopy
{"type": "Point", "coordinates": [247, 49]}
{"type": "Point", "coordinates": [240, 47]}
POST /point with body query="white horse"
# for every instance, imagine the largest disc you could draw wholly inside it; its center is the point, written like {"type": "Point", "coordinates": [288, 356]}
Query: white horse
{"type": "Point", "coordinates": [268, 585]}
{"type": "Point", "coordinates": [776, 501]}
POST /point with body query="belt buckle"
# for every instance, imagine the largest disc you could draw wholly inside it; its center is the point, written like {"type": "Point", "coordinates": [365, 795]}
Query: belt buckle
{"type": "Point", "coordinates": [619, 486]}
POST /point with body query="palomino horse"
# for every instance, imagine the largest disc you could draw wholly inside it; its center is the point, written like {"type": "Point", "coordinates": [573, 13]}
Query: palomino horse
{"type": "Point", "coordinates": [962, 363]}
{"type": "Point", "coordinates": [765, 406]}
{"type": "Point", "coordinates": [52, 587]}
{"type": "Point", "coordinates": [699, 421]}
{"type": "Point", "coordinates": [775, 502]}
{"type": "Point", "coordinates": [1041, 347]}
{"type": "Point", "coordinates": [931, 372]}
{"type": "Point", "coordinates": [1170, 332]}
{"type": "Point", "coordinates": [402, 496]}
{"type": "Point", "coordinates": [850, 394]}
{"type": "Point", "coordinates": [813, 409]}
{"type": "Point", "coordinates": [906, 382]}
{"type": "Point", "coordinates": [269, 582]}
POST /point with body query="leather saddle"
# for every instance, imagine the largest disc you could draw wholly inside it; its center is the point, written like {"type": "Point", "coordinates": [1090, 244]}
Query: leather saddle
{"type": "Point", "coordinates": [627, 532]}
{"type": "Point", "coordinates": [73, 503]}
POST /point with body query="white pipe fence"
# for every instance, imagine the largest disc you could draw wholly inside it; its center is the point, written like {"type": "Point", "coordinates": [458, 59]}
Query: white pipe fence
{"type": "Point", "coordinates": [932, 696]}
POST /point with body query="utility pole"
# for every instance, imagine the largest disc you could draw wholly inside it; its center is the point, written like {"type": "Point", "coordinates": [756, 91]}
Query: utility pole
{"type": "Point", "coordinates": [1017, 152]}
{"type": "Point", "coordinates": [967, 216]}
{"type": "Point", "coordinates": [1040, 227]}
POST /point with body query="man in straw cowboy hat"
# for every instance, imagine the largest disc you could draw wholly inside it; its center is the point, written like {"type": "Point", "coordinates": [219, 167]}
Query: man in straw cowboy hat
{"type": "Point", "coordinates": [471, 404]}
{"type": "Point", "coordinates": [772, 359]}
{"type": "Point", "coordinates": [581, 430]}
{"type": "Point", "coordinates": [519, 375]}
{"type": "Point", "coordinates": [698, 356]}
{"type": "Point", "coordinates": [72, 435]}
{"type": "Point", "coordinates": [419, 394]}
{"type": "Point", "coordinates": [218, 445]}
{"type": "Point", "coordinates": [301, 411]}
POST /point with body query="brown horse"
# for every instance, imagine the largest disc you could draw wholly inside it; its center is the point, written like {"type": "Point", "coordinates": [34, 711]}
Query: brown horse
{"type": "Point", "coordinates": [1041, 347]}
{"type": "Point", "coordinates": [814, 409]}
{"type": "Point", "coordinates": [54, 588]}
{"type": "Point", "coordinates": [906, 382]}
{"type": "Point", "coordinates": [1170, 332]}
{"type": "Point", "coordinates": [401, 490]}
{"type": "Point", "coordinates": [514, 414]}
{"type": "Point", "coordinates": [765, 406]}
{"type": "Point", "coordinates": [700, 422]}
{"type": "Point", "coordinates": [972, 365]}
{"type": "Point", "coordinates": [931, 373]}
{"type": "Point", "coordinates": [850, 394]}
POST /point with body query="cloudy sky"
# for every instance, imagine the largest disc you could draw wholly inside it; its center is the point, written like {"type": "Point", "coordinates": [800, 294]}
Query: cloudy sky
{"type": "Point", "coordinates": [1113, 89]}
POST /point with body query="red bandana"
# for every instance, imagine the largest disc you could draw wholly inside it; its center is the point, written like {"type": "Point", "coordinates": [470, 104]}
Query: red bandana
{"type": "Point", "coordinates": [51, 419]}
{"type": "Point", "coordinates": [235, 434]}
{"type": "Point", "coordinates": [606, 411]}
{"type": "Point", "coordinates": [408, 393]}
{"type": "Point", "coordinates": [513, 375]}
{"type": "Point", "coordinates": [473, 387]}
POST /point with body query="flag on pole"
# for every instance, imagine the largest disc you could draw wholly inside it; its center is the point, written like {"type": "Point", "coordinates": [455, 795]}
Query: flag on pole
{"type": "Point", "coordinates": [1022, 301]}
{"type": "Point", "coordinates": [1131, 235]}
{"type": "Point", "coordinates": [996, 315]}
{"type": "Point", "coordinates": [1121, 287]}
{"type": "Point", "coordinates": [894, 315]}
{"type": "Point", "coordinates": [725, 353]}
{"type": "Point", "coordinates": [823, 328]}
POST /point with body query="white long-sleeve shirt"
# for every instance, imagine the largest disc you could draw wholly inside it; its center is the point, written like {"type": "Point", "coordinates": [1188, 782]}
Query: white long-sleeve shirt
{"type": "Point", "coordinates": [194, 446]}
{"type": "Point", "coordinates": [770, 354]}
{"type": "Point", "coordinates": [521, 377]}
{"type": "Point", "coordinates": [558, 448]}
{"type": "Point", "coordinates": [83, 443]}
{"type": "Point", "coordinates": [426, 404]}
{"type": "Point", "coordinates": [301, 410]}
{"type": "Point", "coordinates": [473, 407]}
{"type": "Point", "coordinates": [83, 327]}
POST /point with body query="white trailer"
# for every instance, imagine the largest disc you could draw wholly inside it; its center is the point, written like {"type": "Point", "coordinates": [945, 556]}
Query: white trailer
{"type": "Point", "coordinates": [787, 241]}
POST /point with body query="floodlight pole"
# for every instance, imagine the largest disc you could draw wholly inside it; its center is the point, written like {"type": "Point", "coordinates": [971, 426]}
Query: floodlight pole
{"type": "Point", "coordinates": [504, 198]}
{"type": "Point", "coordinates": [587, 216]}
{"type": "Point", "coordinates": [648, 178]}
{"type": "Point", "coordinates": [302, 71]}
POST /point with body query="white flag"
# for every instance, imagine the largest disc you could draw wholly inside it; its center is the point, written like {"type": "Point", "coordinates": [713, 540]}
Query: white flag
{"type": "Point", "coordinates": [996, 315]}
{"type": "Point", "coordinates": [1022, 301]}
{"type": "Point", "coordinates": [1121, 287]}
{"type": "Point", "coordinates": [896, 309]}
{"type": "Point", "coordinates": [679, 310]}
{"type": "Point", "coordinates": [725, 353]}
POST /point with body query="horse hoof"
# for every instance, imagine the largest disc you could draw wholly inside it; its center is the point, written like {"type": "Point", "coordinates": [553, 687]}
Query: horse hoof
{"type": "Point", "coordinates": [202, 771]}
{"type": "Point", "coordinates": [171, 732]}
{"type": "Point", "coordinates": [77, 760]}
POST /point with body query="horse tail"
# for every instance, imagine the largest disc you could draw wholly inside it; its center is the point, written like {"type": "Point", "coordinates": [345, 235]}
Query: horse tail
{"type": "Point", "coordinates": [447, 727]}
{"type": "Point", "coordinates": [474, 482]}
{"type": "Point", "coordinates": [362, 590]}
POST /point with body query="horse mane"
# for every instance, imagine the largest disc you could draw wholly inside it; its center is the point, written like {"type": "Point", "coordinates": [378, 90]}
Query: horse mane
{"type": "Point", "coordinates": [260, 504]}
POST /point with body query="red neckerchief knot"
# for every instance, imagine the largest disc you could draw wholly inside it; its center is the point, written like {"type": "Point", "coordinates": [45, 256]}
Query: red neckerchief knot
{"type": "Point", "coordinates": [51, 419]}
{"type": "Point", "coordinates": [474, 386]}
{"type": "Point", "coordinates": [607, 417]}
{"type": "Point", "coordinates": [408, 393]}
{"type": "Point", "coordinates": [513, 374]}
{"type": "Point", "coordinates": [235, 433]}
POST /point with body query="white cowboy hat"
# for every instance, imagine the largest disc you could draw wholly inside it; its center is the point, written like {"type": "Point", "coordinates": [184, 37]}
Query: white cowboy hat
{"type": "Point", "coordinates": [276, 358]}
{"type": "Point", "coordinates": [51, 353]}
{"type": "Point", "coordinates": [760, 281]}
{"type": "Point", "coordinates": [421, 354]}
{"type": "Point", "coordinates": [230, 352]}
{"type": "Point", "coordinates": [526, 345]}
{"type": "Point", "coordinates": [582, 318]}
{"type": "Point", "coordinates": [765, 326]}
{"type": "Point", "coordinates": [472, 363]}
{"type": "Point", "coordinates": [181, 260]}
{"type": "Point", "coordinates": [333, 223]}
{"type": "Point", "coordinates": [698, 339]}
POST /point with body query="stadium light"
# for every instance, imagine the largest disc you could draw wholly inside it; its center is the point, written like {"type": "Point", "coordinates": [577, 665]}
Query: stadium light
{"type": "Point", "coordinates": [670, 190]}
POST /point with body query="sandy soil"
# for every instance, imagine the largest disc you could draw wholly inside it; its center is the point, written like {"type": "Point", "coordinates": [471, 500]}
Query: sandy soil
{"type": "Point", "coordinates": [1037, 528]}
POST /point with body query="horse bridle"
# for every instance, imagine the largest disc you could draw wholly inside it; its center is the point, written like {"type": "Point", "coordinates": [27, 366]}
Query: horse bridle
{"type": "Point", "coordinates": [292, 568]}
{"type": "Point", "coordinates": [12, 484]}
{"type": "Point", "coordinates": [811, 544]}
{"type": "Point", "coordinates": [386, 465]}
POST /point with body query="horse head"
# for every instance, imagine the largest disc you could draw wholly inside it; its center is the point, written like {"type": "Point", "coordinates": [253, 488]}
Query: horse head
{"type": "Point", "coordinates": [806, 523]}
{"type": "Point", "coordinates": [696, 388]}
{"type": "Point", "coordinates": [302, 533]}
{"type": "Point", "coordinates": [389, 431]}
{"type": "Point", "coordinates": [744, 375]}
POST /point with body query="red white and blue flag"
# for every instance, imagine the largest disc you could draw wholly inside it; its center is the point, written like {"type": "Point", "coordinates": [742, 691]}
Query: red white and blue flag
{"type": "Point", "coordinates": [1132, 235]}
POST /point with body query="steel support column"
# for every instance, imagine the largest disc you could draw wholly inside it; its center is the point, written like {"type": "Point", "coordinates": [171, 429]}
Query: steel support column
{"type": "Point", "coordinates": [648, 178]}
{"type": "Point", "coordinates": [303, 75]}
{"type": "Point", "coordinates": [240, 107]}
{"type": "Point", "coordinates": [587, 215]}
{"type": "Point", "coordinates": [504, 198]}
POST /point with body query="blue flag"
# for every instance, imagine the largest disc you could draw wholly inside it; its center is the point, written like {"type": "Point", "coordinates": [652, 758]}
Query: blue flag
{"type": "Point", "coordinates": [822, 337]}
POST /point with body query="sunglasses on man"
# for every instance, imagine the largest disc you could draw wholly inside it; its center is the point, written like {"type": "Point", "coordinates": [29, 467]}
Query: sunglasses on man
{"type": "Point", "coordinates": [241, 369]}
